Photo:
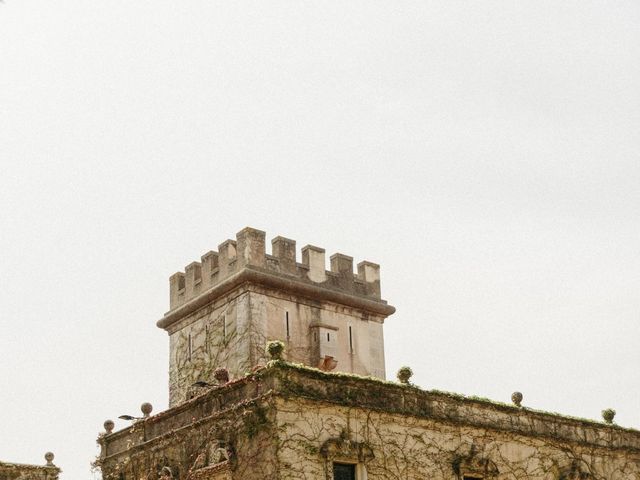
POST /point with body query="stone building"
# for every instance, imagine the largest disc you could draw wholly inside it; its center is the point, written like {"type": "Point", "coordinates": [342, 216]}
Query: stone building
{"type": "Point", "coordinates": [225, 307]}
{"type": "Point", "coordinates": [21, 471]}
{"type": "Point", "coordinates": [308, 410]}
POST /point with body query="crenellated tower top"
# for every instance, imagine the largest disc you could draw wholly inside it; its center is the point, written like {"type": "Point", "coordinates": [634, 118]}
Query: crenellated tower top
{"type": "Point", "coordinates": [224, 307]}
{"type": "Point", "coordinates": [247, 253]}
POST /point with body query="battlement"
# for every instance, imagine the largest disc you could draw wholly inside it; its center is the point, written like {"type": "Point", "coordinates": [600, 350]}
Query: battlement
{"type": "Point", "coordinates": [248, 251]}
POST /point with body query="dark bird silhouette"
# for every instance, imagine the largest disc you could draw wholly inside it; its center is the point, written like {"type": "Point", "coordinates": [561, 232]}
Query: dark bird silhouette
{"type": "Point", "coordinates": [129, 417]}
{"type": "Point", "coordinates": [201, 383]}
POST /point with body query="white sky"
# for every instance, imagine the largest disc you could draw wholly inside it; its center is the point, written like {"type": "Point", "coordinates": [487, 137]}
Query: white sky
{"type": "Point", "coordinates": [486, 154]}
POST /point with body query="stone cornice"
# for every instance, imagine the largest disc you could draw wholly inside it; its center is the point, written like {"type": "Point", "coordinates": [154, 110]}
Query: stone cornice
{"type": "Point", "coordinates": [250, 274]}
{"type": "Point", "coordinates": [17, 470]}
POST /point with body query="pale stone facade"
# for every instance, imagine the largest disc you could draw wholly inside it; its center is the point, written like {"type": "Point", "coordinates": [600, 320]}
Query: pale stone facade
{"type": "Point", "coordinates": [430, 435]}
{"type": "Point", "coordinates": [281, 420]}
{"type": "Point", "coordinates": [224, 309]}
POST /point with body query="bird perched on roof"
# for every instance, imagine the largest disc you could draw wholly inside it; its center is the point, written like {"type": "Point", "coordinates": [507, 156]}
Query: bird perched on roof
{"type": "Point", "coordinates": [202, 384]}
{"type": "Point", "coordinates": [129, 417]}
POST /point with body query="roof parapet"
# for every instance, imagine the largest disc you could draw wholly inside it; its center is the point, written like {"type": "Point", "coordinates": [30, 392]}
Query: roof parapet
{"type": "Point", "coordinates": [249, 250]}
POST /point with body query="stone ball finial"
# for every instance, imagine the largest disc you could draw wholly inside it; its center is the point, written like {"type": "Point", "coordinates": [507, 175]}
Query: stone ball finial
{"type": "Point", "coordinates": [108, 426]}
{"type": "Point", "coordinates": [516, 398]}
{"type": "Point", "coordinates": [404, 374]}
{"type": "Point", "coordinates": [49, 456]}
{"type": "Point", "coordinates": [221, 374]}
{"type": "Point", "coordinates": [146, 408]}
{"type": "Point", "coordinates": [275, 349]}
{"type": "Point", "coordinates": [608, 415]}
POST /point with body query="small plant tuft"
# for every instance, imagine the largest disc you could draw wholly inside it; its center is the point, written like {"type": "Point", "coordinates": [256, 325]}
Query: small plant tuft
{"type": "Point", "coordinates": [404, 374]}
{"type": "Point", "coordinates": [516, 398]}
{"type": "Point", "coordinates": [608, 415]}
{"type": "Point", "coordinates": [275, 349]}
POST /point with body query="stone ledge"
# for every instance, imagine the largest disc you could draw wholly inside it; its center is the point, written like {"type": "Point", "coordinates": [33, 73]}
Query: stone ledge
{"type": "Point", "coordinates": [285, 380]}
{"type": "Point", "coordinates": [394, 398]}
{"type": "Point", "coordinates": [291, 284]}
{"type": "Point", "coordinates": [10, 471]}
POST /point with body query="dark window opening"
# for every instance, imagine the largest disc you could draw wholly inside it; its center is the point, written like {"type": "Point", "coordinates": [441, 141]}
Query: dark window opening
{"type": "Point", "coordinates": [286, 316]}
{"type": "Point", "coordinates": [189, 347]}
{"type": "Point", "coordinates": [350, 340]}
{"type": "Point", "coordinates": [471, 477]}
{"type": "Point", "coordinates": [344, 471]}
{"type": "Point", "coordinates": [224, 328]}
{"type": "Point", "coordinates": [328, 338]}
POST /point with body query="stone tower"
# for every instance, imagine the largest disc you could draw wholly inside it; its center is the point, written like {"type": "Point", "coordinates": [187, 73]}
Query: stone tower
{"type": "Point", "coordinates": [224, 309]}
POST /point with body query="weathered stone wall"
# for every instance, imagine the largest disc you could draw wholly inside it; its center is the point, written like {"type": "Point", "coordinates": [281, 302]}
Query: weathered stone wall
{"type": "Point", "coordinates": [394, 446]}
{"type": "Point", "coordinates": [20, 471]}
{"type": "Point", "coordinates": [401, 432]}
{"type": "Point", "coordinates": [226, 433]}
{"type": "Point", "coordinates": [292, 422]}
{"type": "Point", "coordinates": [232, 332]}
{"type": "Point", "coordinates": [218, 335]}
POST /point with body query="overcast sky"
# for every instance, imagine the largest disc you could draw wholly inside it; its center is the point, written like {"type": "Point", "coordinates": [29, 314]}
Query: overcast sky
{"type": "Point", "coordinates": [486, 154]}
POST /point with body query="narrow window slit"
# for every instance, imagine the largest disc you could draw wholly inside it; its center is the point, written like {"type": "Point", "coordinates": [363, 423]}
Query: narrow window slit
{"type": "Point", "coordinates": [224, 328]}
{"type": "Point", "coordinates": [286, 316]}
